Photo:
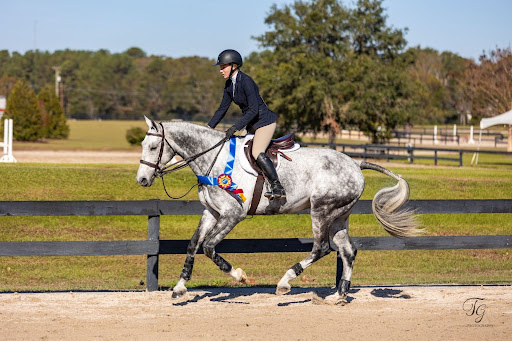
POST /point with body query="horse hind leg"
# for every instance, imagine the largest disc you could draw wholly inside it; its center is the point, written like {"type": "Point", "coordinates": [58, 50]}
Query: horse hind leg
{"type": "Point", "coordinates": [347, 253]}
{"type": "Point", "coordinates": [320, 248]}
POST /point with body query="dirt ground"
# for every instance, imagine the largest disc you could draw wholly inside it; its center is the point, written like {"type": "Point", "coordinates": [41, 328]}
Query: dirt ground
{"type": "Point", "coordinates": [371, 313]}
{"type": "Point", "coordinates": [48, 156]}
{"type": "Point", "coordinates": [105, 157]}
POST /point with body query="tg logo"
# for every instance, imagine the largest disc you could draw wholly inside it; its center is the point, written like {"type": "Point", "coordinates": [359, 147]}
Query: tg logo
{"type": "Point", "coordinates": [474, 306]}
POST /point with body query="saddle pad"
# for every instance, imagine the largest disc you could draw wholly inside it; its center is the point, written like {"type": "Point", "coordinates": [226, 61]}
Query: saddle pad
{"type": "Point", "coordinates": [246, 165]}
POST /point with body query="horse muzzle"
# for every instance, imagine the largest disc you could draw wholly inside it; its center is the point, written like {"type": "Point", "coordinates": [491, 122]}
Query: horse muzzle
{"type": "Point", "coordinates": [145, 181]}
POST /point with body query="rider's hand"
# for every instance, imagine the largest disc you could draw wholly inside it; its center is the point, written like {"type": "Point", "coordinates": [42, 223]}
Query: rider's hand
{"type": "Point", "coordinates": [231, 131]}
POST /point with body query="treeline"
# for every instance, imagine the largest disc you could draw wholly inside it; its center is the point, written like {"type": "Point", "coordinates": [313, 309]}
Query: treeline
{"type": "Point", "coordinates": [325, 67]}
{"type": "Point", "coordinates": [104, 85]}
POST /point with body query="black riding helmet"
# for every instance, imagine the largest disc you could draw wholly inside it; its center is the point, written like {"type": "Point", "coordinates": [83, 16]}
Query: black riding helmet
{"type": "Point", "coordinates": [229, 57]}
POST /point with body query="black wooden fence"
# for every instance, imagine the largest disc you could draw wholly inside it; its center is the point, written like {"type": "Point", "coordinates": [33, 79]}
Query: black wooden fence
{"type": "Point", "coordinates": [153, 246]}
{"type": "Point", "coordinates": [389, 152]}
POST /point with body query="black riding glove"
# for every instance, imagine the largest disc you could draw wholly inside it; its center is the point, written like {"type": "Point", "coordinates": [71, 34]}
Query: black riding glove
{"type": "Point", "coordinates": [231, 131]}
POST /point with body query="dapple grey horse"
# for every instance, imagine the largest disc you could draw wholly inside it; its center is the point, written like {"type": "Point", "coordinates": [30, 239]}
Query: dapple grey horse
{"type": "Point", "coordinates": [327, 182]}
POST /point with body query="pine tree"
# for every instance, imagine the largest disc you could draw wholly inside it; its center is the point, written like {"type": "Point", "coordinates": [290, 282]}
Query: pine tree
{"type": "Point", "coordinates": [54, 119]}
{"type": "Point", "coordinates": [22, 108]}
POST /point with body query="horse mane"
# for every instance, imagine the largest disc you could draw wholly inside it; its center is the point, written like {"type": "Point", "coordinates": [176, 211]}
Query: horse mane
{"type": "Point", "coordinates": [201, 128]}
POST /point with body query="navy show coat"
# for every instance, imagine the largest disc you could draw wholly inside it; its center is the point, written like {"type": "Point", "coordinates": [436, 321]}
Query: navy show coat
{"type": "Point", "coordinates": [247, 97]}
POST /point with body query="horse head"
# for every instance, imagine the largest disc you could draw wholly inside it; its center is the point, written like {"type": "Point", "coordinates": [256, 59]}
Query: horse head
{"type": "Point", "coordinates": [156, 153]}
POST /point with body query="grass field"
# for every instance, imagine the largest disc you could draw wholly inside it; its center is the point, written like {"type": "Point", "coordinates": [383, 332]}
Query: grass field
{"type": "Point", "coordinates": [89, 135]}
{"type": "Point", "coordinates": [114, 182]}
{"type": "Point", "coordinates": [117, 182]}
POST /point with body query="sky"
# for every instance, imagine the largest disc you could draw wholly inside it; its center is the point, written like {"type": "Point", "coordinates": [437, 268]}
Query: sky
{"type": "Point", "coordinates": [178, 28]}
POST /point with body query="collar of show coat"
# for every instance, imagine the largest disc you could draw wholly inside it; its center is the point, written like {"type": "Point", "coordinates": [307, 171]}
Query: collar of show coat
{"type": "Point", "coordinates": [233, 80]}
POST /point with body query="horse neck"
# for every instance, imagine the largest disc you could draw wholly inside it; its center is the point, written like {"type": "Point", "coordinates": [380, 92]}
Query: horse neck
{"type": "Point", "coordinates": [188, 139]}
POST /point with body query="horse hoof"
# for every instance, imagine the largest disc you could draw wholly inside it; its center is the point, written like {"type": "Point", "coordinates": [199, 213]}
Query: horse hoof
{"type": "Point", "coordinates": [178, 293]}
{"type": "Point", "coordinates": [241, 275]}
{"type": "Point", "coordinates": [282, 290]}
{"type": "Point", "coordinates": [336, 299]}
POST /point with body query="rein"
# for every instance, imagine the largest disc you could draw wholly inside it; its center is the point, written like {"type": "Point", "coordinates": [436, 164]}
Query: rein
{"type": "Point", "coordinates": [176, 166]}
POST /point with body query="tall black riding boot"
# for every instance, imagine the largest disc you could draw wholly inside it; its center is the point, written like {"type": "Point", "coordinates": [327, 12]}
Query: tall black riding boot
{"type": "Point", "coordinates": [266, 165]}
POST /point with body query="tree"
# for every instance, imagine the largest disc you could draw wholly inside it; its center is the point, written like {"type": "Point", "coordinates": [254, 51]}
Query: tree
{"type": "Point", "coordinates": [22, 108]}
{"type": "Point", "coordinates": [369, 34]}
{"type": "Point", "coordinates": [380, 94]}
{"type": "Point", "coordinates": [438, 91]}
{"type": "Point", "coordinates": [490, 83]}
{"type": "Point", "coordinates": [318, 72]}
{"type": "Point", "coordinates": [135, 52]}
{"type": "Point", "coordinates": [54, 119]}
{"type": "Point", "coordinates": [6, 85]}
{"type": "Point", "coordinates": [301, 75]}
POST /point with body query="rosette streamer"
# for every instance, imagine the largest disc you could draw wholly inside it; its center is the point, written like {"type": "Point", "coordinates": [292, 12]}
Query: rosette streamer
{"type": "Point", "coordinates": [225, 181]}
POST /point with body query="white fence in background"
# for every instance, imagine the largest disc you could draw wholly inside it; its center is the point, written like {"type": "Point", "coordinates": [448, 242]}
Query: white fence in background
{"type": "Point", "coordinates": [7, 144]}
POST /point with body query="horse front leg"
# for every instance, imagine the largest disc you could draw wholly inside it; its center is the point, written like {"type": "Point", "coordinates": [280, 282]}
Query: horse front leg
{"type": "Point", "coordinates": [206, 224]}
{"type": "Point", "coordinates": [224, 225]}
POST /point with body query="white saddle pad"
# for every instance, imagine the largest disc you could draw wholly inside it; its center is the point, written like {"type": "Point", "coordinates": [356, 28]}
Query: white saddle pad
{"type": "Point", "coordinates": [244, 163]}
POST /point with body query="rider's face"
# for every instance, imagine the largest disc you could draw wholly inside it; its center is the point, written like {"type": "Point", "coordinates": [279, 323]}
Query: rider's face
{"type": "Point", "coordinates": [225, 69]}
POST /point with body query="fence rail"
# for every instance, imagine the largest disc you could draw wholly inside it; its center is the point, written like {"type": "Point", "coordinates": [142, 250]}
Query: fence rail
{"type": "Point", "coordinates": [153, 246]}
{"type": "Point", "coordinates": [388, 152]}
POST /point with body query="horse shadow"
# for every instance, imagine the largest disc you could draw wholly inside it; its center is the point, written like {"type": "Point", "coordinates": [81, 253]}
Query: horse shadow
{"type": "Point", "coordinates": [236, 295]}
{"type": "Point", "coordinates": [389, 293]}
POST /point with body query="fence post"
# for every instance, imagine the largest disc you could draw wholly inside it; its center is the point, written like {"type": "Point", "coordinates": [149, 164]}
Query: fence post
{"type": "Point", "coordinates": [152, 260]}
{"type": "Point", "coordinates": [460, 158]}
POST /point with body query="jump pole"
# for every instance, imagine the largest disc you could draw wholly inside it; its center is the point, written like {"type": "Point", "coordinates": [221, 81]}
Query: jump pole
{"type": "Point", "coordinates": [7, 144]}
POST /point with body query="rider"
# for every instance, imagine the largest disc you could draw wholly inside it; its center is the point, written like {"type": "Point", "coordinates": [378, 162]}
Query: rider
{"type": "Point", "coordinates": [241, 89]}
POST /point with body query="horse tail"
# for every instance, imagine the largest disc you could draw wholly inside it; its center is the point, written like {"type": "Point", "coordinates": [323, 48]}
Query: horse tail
{"type": "Point", "coordinates": [387, 202]}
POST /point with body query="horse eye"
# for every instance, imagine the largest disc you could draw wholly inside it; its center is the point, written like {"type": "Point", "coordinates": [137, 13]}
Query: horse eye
{"type": "Point", "coordinates": [152, 148]}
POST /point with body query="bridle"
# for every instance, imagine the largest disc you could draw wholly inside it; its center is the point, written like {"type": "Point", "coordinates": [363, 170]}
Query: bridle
{"type": "Point", "coordinates": [160, 153]}
{"type": "Point", "coordinates": [173, 167]}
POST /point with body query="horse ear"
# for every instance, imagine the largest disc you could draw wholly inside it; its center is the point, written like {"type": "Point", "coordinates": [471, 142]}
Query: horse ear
{"type": "Point", "coordinates": [150, 123]}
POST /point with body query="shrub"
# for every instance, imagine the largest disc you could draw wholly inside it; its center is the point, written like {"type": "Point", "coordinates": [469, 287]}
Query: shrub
{"type": "Point", "coordinates": [54, 119]}
{"type": "Point", "coordinates": [135, 135]}
{"type": "Point", "coordinates": [22, 108]}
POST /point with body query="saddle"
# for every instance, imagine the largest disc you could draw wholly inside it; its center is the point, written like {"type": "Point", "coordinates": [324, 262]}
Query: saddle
{"type": "Point", "coordinates": [273, 150]}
